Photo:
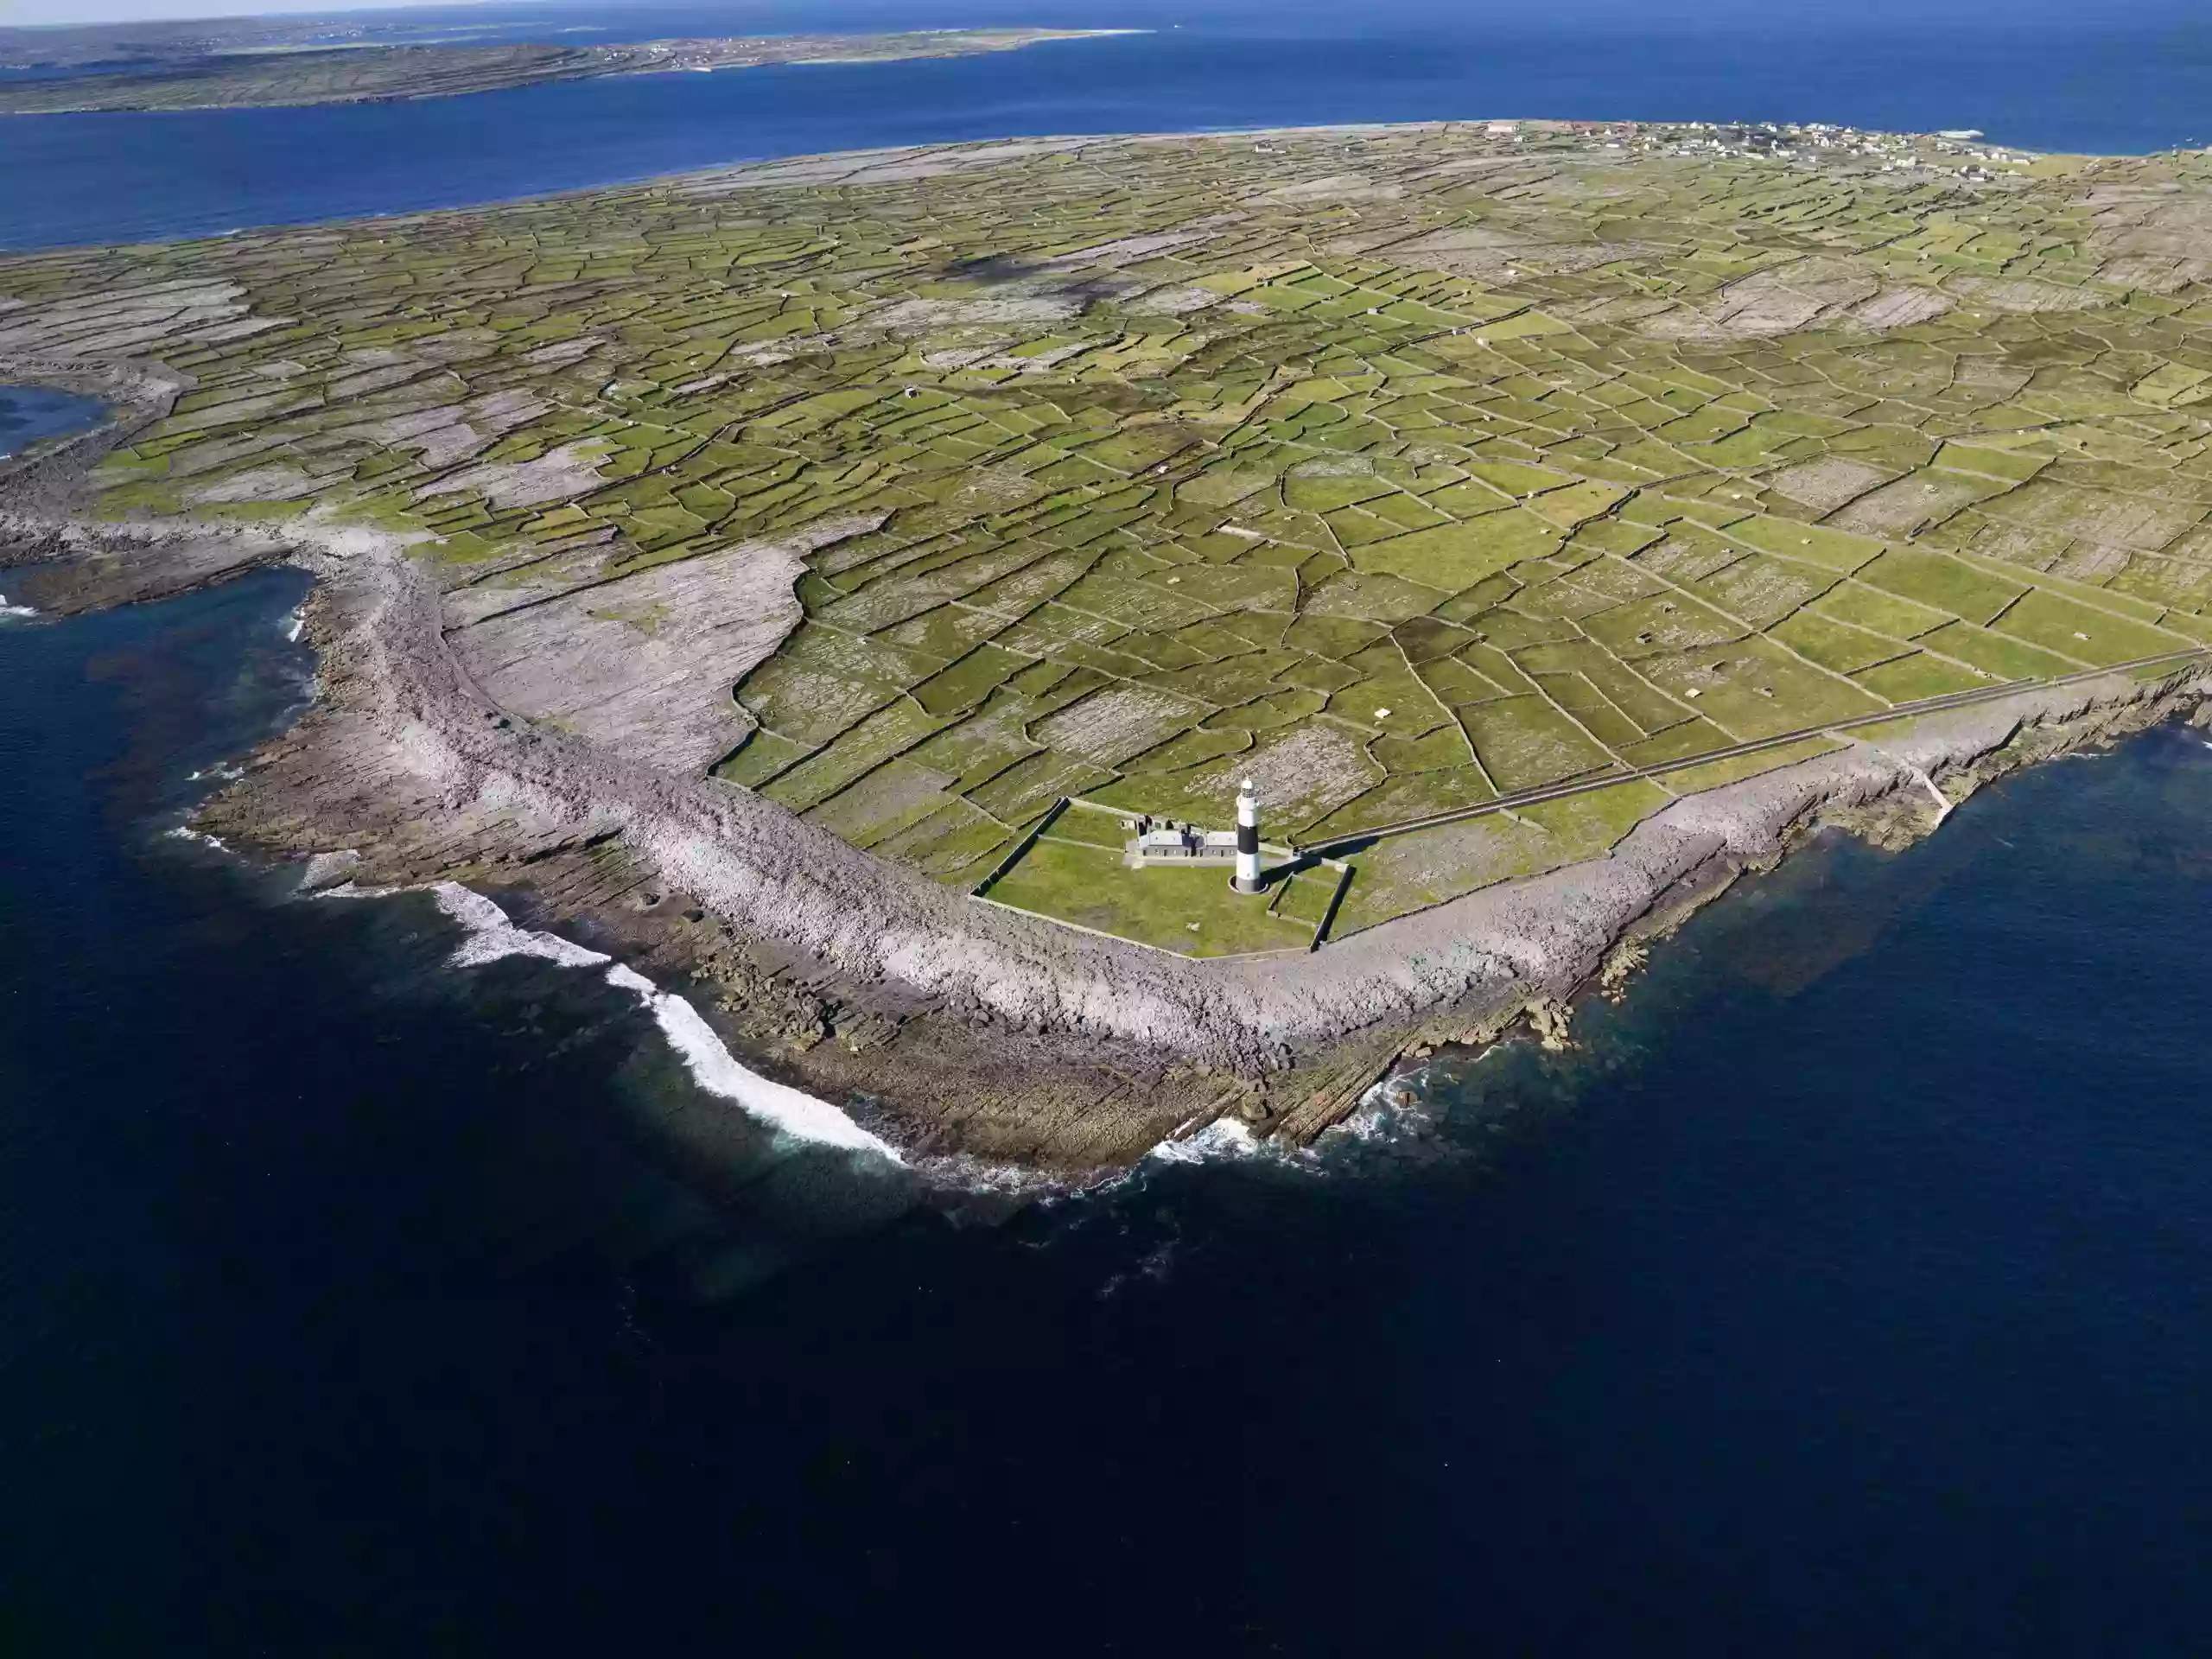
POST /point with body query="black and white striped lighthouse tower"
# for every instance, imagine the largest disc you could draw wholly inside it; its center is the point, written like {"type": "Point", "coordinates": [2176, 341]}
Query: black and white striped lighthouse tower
{"type": "Point", "coordinates": [1248, 839]}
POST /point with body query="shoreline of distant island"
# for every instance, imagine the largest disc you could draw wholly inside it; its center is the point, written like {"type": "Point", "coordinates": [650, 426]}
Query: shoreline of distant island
{"type": "Point", "coordinates": [310, 75]}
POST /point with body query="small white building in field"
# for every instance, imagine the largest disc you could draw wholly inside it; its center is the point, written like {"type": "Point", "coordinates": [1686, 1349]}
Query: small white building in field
{"type": "Point", "coordinates": [1165, 842]}
{"type": "Point", "coordinates": [1159, 840]}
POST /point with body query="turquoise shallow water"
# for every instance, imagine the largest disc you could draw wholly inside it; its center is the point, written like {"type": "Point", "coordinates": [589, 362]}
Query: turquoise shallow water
{"type": "Point", "coordinates": [1842, 1292]}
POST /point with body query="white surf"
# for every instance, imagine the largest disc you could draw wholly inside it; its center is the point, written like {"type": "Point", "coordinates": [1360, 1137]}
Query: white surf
{"type": "Point", "coordinates": [793, 1115]}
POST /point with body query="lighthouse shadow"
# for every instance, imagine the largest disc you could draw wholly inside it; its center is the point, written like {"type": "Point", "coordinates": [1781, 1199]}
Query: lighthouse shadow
{"type": "Point", "coordinates": [1332, 867]}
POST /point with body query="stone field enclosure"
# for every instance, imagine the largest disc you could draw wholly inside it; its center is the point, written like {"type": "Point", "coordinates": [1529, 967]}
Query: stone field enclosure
{"type": "Point", "coordinates": [1400, 469]}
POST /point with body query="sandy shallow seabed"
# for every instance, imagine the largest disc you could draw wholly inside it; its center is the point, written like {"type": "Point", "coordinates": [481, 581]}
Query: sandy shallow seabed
{"type": "Point", "coordinates": [948, 1027]}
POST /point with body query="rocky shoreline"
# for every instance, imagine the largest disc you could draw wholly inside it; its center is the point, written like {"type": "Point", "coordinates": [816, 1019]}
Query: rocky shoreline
{"type": "Point", "coordinates": [951, 1028]}
{"type": "Point", "coordinates": [532, 706]}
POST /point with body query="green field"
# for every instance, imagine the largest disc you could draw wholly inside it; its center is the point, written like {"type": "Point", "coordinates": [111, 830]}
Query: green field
{"type": "Point", "coordinates": [1074, 873]}
{"type": "Point", "coordinates": [1398, 470]}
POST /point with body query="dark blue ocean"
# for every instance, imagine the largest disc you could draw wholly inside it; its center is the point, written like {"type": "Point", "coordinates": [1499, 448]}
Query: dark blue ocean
{"type": "Point", "coordinates": [1842, 1292]}
{"type": "Point", "coordinates": [2119, 75]}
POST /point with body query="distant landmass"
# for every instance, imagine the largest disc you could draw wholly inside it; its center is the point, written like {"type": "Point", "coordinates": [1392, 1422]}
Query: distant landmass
{"type": "Point", "coordinates": [250, 65]}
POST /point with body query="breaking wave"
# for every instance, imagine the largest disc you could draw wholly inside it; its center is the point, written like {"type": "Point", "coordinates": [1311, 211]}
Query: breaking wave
{"type": "Point", "coordinates": [795, 1116]}
{"type": "Point", "coordinates": [1224, 1140]}
{"type": "Point", "coordinates": [1393, 1113]}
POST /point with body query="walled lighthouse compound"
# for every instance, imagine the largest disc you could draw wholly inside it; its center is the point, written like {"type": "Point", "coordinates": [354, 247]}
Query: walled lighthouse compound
{"type": "Point", "coordinates": [1164, 841]}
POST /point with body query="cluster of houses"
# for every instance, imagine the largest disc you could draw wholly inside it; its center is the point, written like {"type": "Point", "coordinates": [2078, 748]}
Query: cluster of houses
{"type": "Point", "coordinates": [1779, 141]}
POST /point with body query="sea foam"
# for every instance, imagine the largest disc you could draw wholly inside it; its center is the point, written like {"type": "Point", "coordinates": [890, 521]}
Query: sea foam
{"type": "Point", "coordinates": [492, 936]}
{"type": "Point", "coordinates": [1224, 1138]}
{"type": "Point", "coordinates": [1390, 1111]}
{"type": "Point", "coordinates": [795, 1116]}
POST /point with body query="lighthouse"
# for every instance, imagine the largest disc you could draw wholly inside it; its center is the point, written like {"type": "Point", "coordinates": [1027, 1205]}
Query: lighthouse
{"type": "Point", "coordinates": [1248, 839]}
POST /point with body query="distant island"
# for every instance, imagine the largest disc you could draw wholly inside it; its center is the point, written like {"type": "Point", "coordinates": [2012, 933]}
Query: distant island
{"type": "Point", "coordinates": [864, 583]}
{"type": "Point", "coordinates": [251, 67]}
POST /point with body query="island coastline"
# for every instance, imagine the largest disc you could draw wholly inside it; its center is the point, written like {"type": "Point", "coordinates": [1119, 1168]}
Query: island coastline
{"type": "Point", "coordinates": [405, 764]}
{"type": "Point", "coordinates": [958, 1028]}
{"type": "Point", "coordinates": [304, 77]}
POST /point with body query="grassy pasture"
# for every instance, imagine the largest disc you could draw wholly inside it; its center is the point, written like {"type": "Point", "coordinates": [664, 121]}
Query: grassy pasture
{"type": "Point", "coordinates": [1074, 873]}
{"type": "Point", "coordinates": [1130, 470]}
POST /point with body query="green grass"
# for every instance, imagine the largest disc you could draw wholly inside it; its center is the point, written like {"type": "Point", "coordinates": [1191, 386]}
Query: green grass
{"type": "Point", "coordinates": [1942, 583]}
{"type": "Point", "coordinates": [1304, 896]}
{"type": "Point", "coordinates": [1524, 741]}
{"type": "Point", "coordinates": [1834, 645]}
{"type": "Point", "coordinates": [1454, 557]}
{"type": "Point", "coordinates": [1876, 612]}
{"type": "Point", "coordinates": [1909, 679]}
{"type": "Point", "coordinates": [1431, 866]}
{"type": "Point", "coordinates": [2094, 637]}
{"type": "Point", "coordinates": [1191, 912]}
{"type": "Point", "coordinates": [1391, 533]}
{"type": "Point", "coordinates": [1996, 655]}
{"type": "Point", "coordinates": [1753, 687]}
